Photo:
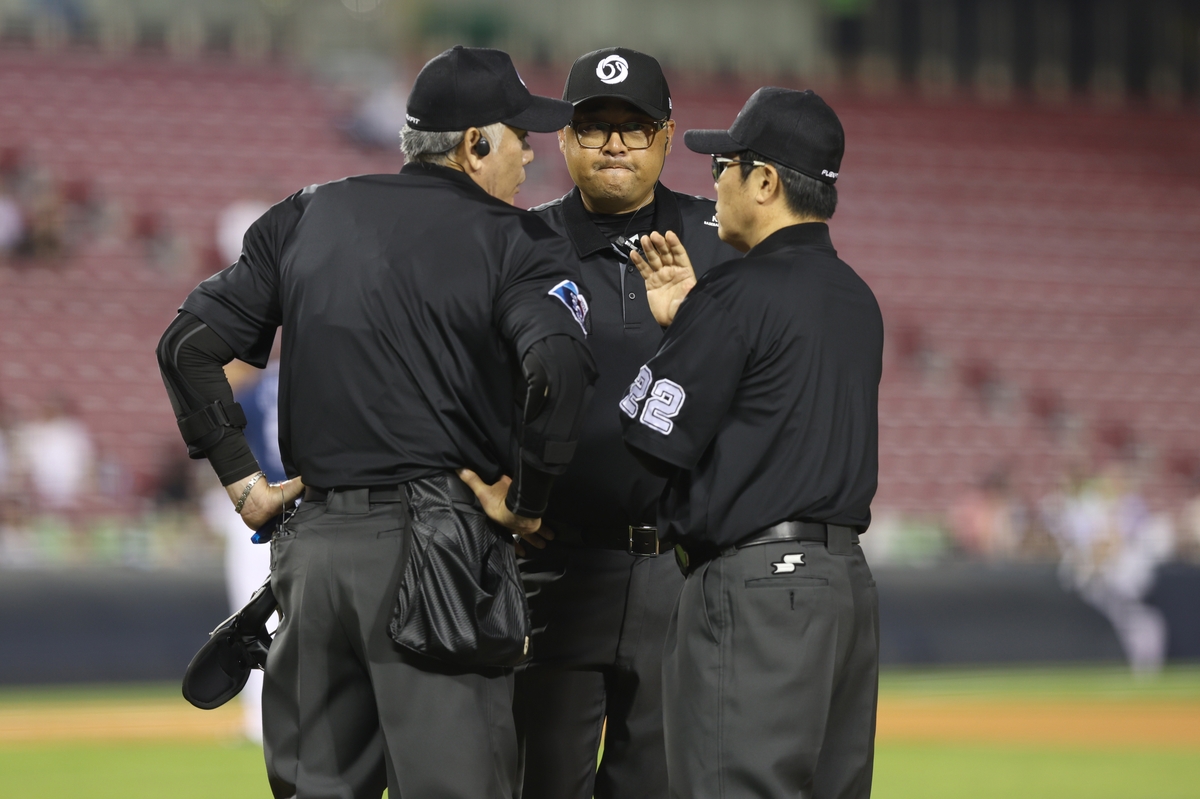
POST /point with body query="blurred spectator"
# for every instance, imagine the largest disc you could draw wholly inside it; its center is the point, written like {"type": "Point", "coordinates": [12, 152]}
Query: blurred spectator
{"type": "Point", "coordinates": [57, 454]}
{"type": "Point", "coordinates": [1111, 546]}
{"type": "Point", "coordinates": [7, 455]}
{"type": "Point", "coordinates": [988, 521]}
{"type": "Point", "coordinates": [42, 221]}
{"type": "Point", "coordinates": [86, 213]}
{"type": "Point", "coordinates": [45, 224]}
{"type": "Point", "coordinates": [379, 118]}
{"type": "Point", "coordinates": [248, 565]}
{"type": "Point", "coordinates": [12, 224]}
{"type": "Point", "coordinates": [14, 169]}
{"type": "Point", "coordinates": [236, 219]}
{"type": "Point", "coordinates": [1188, 540]}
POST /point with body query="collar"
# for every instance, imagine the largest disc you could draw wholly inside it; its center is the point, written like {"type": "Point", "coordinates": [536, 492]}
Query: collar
{"type": "Point", "coordinates": [443, 172]}
{"type": "Point", "coordinates": [588, 239]}
{"type": "Point", "coordinates": [805, 234]}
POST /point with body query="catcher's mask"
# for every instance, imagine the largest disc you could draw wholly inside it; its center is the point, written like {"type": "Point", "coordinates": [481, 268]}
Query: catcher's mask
{"type": "Point", "coordinates": [220, 669]}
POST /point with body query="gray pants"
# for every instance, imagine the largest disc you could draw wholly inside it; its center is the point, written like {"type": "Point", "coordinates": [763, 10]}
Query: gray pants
{"type": "Point", "coordinates": [347, 713]}
{"type": "Point", "coordinates": [771, 680]}
{"type": "Point", "coordinates": [600, 617]}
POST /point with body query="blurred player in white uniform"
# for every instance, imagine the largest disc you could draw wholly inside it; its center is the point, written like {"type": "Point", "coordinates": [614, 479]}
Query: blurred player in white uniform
{"type": "Point", "coordinates": [247, 565]}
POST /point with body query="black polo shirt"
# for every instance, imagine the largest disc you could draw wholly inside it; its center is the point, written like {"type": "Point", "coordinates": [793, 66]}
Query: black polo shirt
{"type": "Point", "coordinates": [406, 302]}
{"type": "Point", "coordinates": [605, 489]}
{"type": "Point", "coordinates": [764, 395]}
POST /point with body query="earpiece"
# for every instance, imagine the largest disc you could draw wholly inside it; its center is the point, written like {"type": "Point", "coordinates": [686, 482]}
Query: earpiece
{"type": "Point", "coordinates": [482, 148]}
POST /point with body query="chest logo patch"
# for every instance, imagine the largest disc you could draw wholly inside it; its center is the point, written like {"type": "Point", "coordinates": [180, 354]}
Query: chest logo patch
{"type": "Point", "coordinates": [789, 563]}
{"type": "Point", "coordinates": [712, 222]}
{"type": "Point", "coordinates": [568, 294]}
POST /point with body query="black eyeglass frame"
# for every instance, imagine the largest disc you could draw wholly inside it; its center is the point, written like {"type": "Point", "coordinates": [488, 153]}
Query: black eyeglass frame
{"type": "Point", "coordinates": [655, 126]}
{"type": "Point", "coordinates": [719, 164]}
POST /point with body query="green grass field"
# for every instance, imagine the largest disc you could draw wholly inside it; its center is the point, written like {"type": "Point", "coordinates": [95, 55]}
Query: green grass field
{"type": "Point", "coordinates": [904, 770]}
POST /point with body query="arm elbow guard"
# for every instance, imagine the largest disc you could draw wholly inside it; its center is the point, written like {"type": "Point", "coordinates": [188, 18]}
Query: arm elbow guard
{"type": "Point", "coordinates": [190, 358]}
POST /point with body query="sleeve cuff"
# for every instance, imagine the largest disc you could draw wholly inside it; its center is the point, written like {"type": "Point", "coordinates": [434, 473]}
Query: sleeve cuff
{"type": "Point", "coordinates": [529, 495]}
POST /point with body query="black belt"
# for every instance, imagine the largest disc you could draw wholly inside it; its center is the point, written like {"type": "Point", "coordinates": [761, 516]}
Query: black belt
{"type": "Point", "coordinates": [392, 493]}
{"type": "Point", "coordinates": [838, 539]}
{"type": "Point", "coordinates": [638, 540]}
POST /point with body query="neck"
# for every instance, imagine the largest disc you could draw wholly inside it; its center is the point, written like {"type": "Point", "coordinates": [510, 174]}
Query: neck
{"type": "Point", "coordinates": [774, 224]}
{"type": "Point", "coordinates": [616, 205]}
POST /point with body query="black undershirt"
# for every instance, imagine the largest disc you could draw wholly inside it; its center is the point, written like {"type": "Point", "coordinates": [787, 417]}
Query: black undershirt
{"type": "Point", "coordinates": [631, 225]}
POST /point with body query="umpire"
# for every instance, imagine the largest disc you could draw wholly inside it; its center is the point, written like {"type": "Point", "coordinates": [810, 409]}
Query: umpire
{"type": "Point", "coordinates": [600, 594]}
{"type": "Point", "coordinates": [761, 408]}
{"type": "Point", "coordinates": [428, 325]}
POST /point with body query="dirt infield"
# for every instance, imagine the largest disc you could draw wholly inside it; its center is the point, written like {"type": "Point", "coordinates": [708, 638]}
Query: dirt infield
{"type": "Point", "coordinates": [143, 720]}
{"type": "Point", "coordinates": [1144, 722]}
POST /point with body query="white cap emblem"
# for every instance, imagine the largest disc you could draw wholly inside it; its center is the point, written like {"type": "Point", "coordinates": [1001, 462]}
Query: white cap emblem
{"type": "Point", "coordinates": [612, 69]}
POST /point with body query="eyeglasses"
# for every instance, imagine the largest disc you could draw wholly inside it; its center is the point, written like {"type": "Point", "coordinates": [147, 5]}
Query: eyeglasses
{"type": "Point", "coordinates": [720, 163]}
{"type": "Point", "coordinates": [634, 135]}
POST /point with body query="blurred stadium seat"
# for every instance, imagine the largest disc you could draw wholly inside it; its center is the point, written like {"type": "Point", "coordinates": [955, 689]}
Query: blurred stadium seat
{"type": "Point", "coordinates": [1039, 269]}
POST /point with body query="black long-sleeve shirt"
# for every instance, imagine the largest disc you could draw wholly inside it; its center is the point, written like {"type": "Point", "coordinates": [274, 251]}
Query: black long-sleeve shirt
{"type": "Point", "coordinates": [408, 304]}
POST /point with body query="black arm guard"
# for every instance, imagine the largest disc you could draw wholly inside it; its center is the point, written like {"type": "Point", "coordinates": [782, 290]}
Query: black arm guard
{"type": "Point", "coordinates": [559, 374]}
{"type": "Point", "coordinates": [191, 357]}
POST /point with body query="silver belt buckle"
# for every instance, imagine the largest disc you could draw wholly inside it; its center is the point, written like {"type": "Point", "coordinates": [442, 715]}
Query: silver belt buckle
{"type": "Point", "coordinates": [643, 540]}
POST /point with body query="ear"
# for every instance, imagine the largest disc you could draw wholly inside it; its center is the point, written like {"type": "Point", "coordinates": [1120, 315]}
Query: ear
{"type": "Point", "coordinates": [768, 185]}
{"type": "Point", "coordinates": [467, 156]}
{"type": "Point", "coordinates": [670, 131]}
{"type": "Point", "coordinates": [562, 141]}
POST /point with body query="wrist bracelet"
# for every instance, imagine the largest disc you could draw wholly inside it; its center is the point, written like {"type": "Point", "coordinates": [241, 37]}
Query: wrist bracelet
{"type": "Point", "coordinates": [237, 508]}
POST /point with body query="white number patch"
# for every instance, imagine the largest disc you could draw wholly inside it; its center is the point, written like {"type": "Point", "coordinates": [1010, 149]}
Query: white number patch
{"type": "Point", "coordinates": [637, 392]}
{"type": "Point", "coordinates": [665, 401]}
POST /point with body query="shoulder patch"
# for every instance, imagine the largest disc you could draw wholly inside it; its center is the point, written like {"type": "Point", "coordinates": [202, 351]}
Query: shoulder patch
{"type": "Point", "coordinates": [568, 294]}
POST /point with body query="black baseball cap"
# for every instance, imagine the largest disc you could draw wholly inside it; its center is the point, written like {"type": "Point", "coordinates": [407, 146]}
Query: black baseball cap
{"type": "Point", "coordinates": [469, 87]}
{"type": "Point", "coordinates": [792, 128]}
{"type": "Point", "coordinates": [623, 74]}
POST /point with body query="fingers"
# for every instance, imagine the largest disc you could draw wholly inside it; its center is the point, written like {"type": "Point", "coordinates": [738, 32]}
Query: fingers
{"type": "Point", "coordinates": [522, 525]}
{"type": "Point", "coordinates": [678, 252]}
{"type": "Point", "coordinates": [658, 251]}
{"type": "Point", "coordinates": [653, 256]}
{"type": "Point", "coordinates": [292, 489]}
{"type": "Point", "coordinates": [534, 540]}
{"type": "Point", "coordinates": [471, 479]}
{"type": "Point", "coordinates": [644, 269]}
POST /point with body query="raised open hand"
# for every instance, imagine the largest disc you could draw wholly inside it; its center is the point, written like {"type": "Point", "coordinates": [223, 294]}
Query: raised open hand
{"type": "Point", "coordinates": [668, 273]}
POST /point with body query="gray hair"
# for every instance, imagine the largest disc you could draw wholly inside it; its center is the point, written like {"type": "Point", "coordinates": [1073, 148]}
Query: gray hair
{"type": "Point", "coordinates": [804, 195]}
{"type": "Point", "coordinates": [434, 146]}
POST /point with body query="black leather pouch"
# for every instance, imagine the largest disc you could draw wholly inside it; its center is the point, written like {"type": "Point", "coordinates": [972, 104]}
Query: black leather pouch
{"type": "Point", "coordinates": [460, 600]}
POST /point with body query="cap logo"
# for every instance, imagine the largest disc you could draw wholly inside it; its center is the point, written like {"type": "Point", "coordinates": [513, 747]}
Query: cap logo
{"type": "Point", "coordinates": [412, 119]}
{"type": "Point", "coordinates": [612, 69]}
{"type": "Point", "coordinates": [826, 173]}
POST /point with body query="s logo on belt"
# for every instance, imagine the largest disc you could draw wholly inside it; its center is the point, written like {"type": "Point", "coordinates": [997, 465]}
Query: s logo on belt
{"type": "Point", "coordinates": [789, 563]}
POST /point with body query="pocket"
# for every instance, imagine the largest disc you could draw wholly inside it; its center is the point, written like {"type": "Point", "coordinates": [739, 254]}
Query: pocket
{"type": "Point", "coordinates": [786, 582]}
{"type": "Point", "coordinates": [707, 596]}
{"type": "Point", "coordinates": [460, 599]}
